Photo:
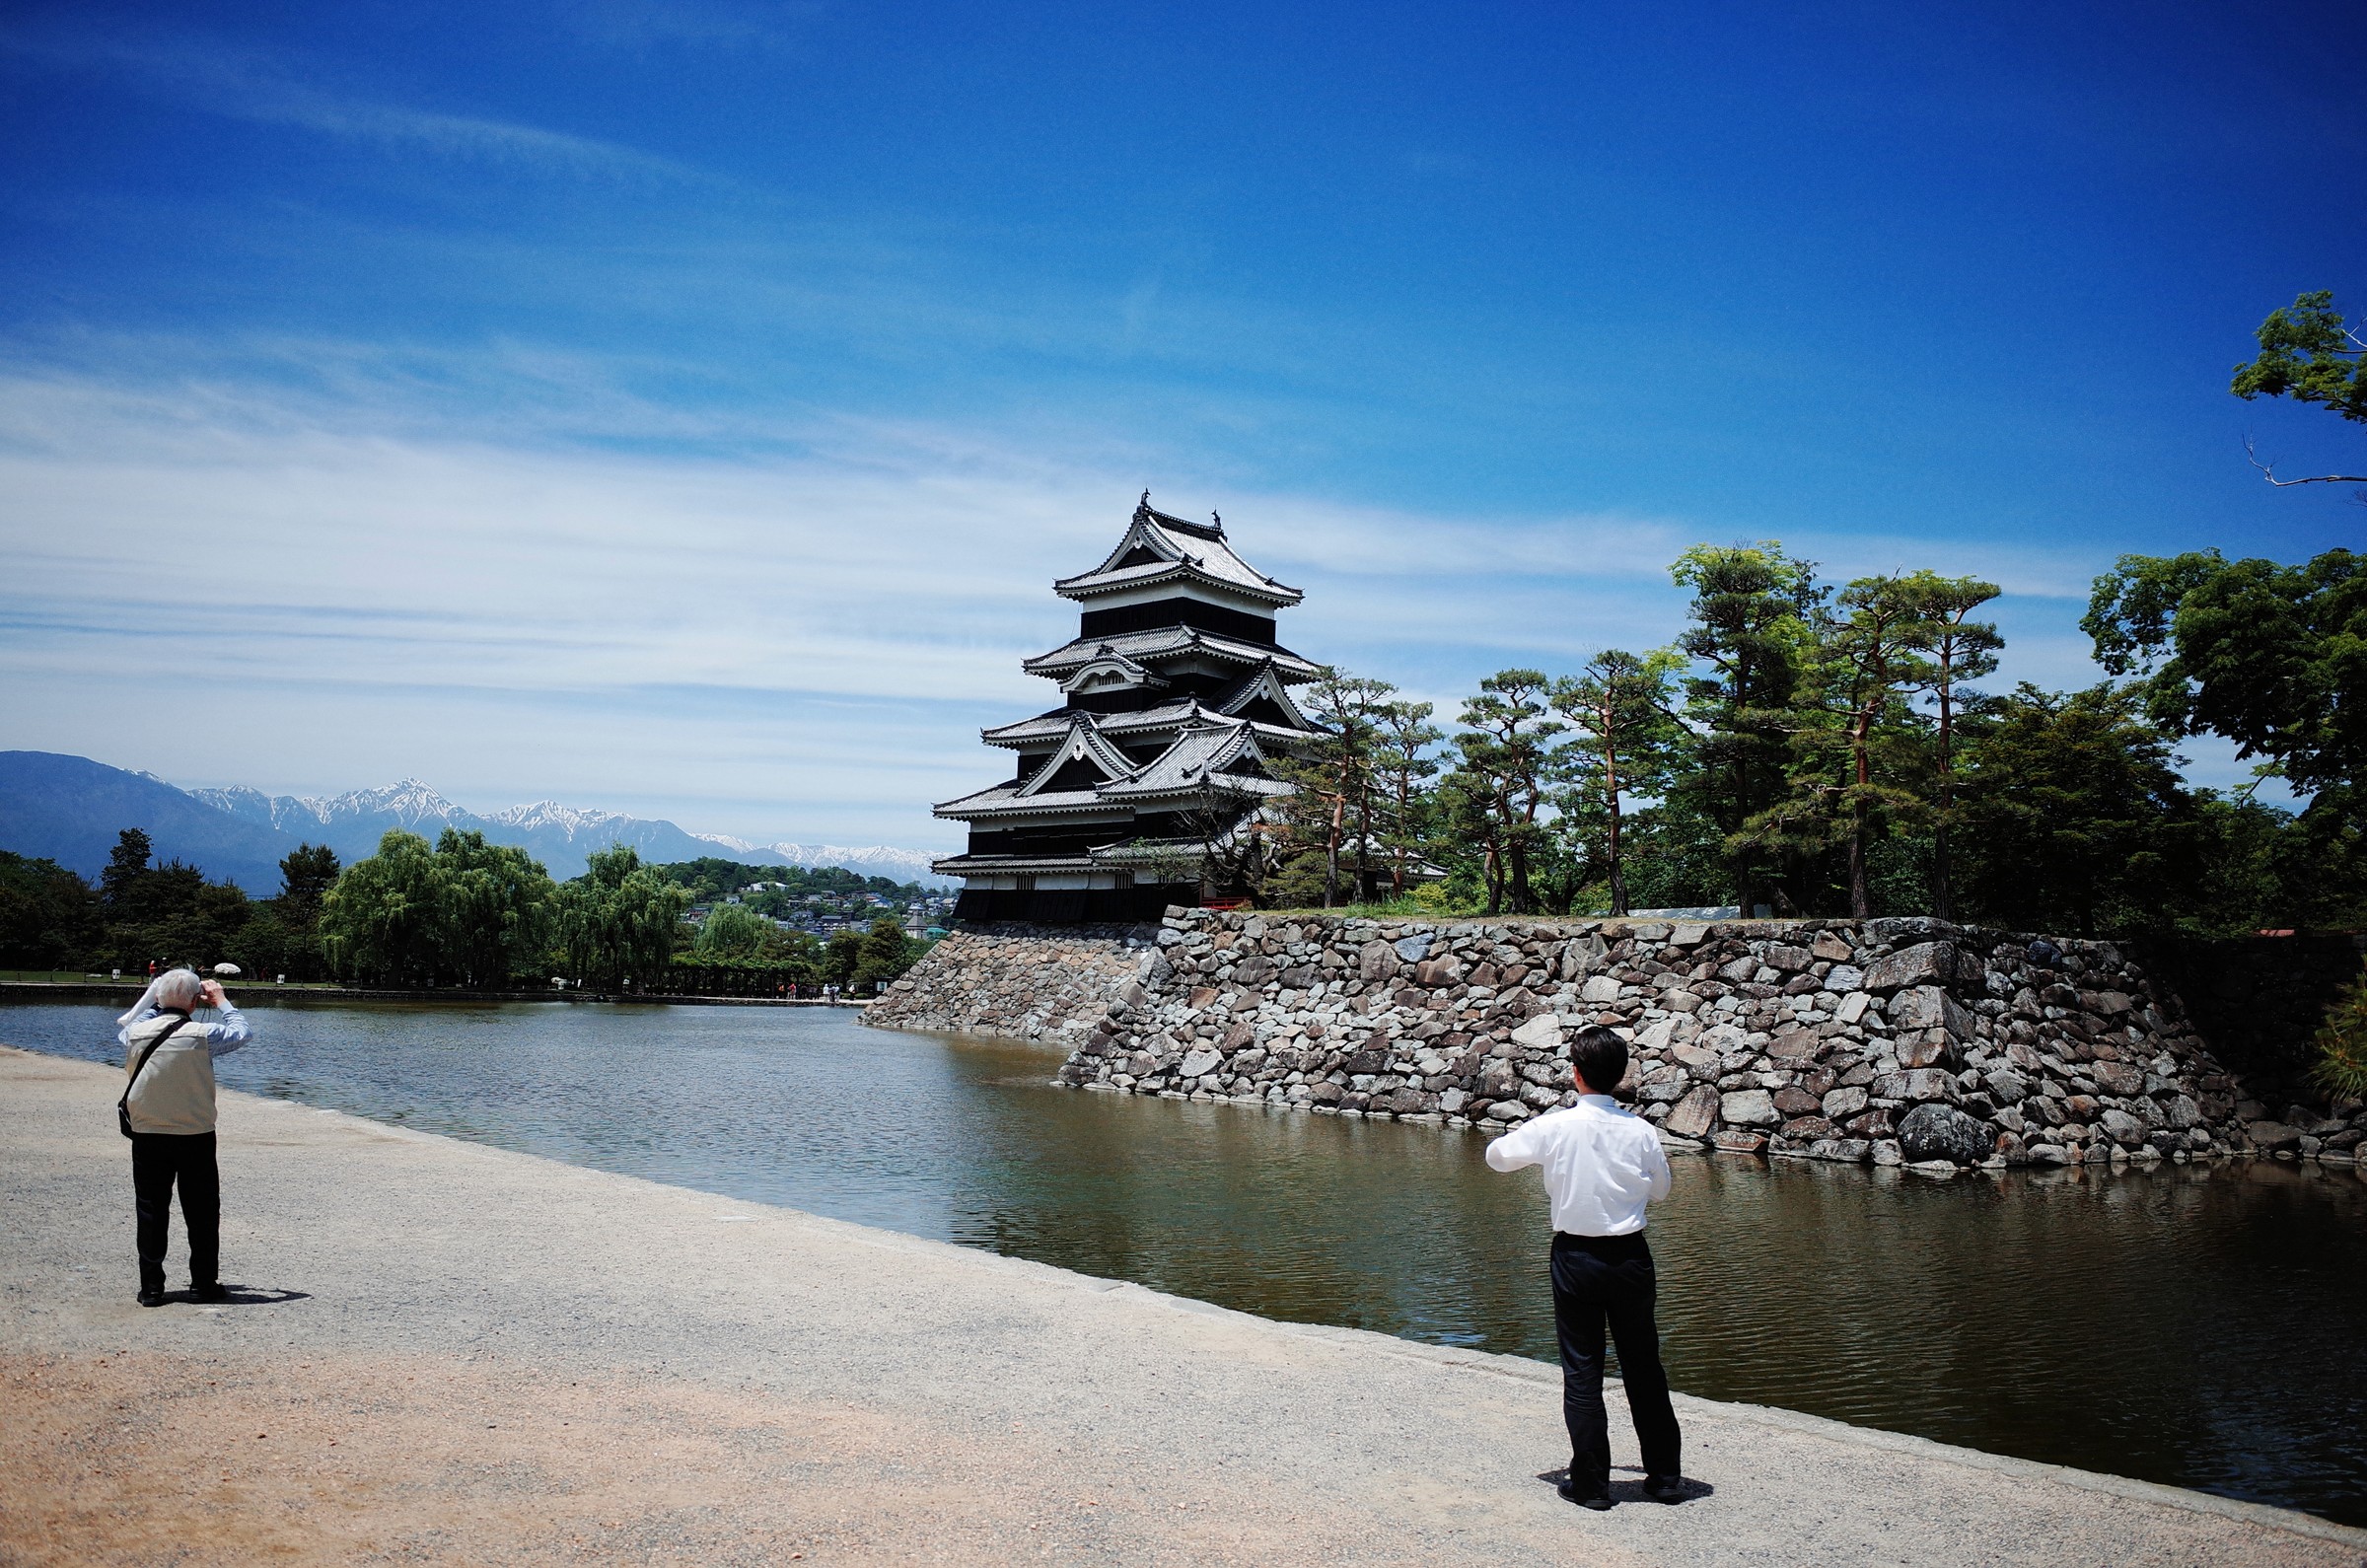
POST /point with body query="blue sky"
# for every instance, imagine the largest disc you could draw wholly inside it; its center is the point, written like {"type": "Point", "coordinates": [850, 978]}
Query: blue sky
{"type": "Point", "coordinates": [682, 407]}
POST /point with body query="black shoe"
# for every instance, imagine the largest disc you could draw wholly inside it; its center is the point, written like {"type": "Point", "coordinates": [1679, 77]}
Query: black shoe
{"type": "Point", "coordinates": [209, 1293]}
{"type": "Point", "coordinates": [1668, 1490]}
{"type": "Point", "coordinates": [152, 1295]}
{"type": "Point", "coordinates": [1599, 1502]}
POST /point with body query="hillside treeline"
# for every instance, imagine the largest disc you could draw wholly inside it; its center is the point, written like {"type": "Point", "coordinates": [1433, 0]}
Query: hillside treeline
{"type": "Point", "coordinates": [461, 912]}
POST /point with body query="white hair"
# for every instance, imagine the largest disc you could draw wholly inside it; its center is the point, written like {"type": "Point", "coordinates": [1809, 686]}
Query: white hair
{"type": "Point", "coordinates": [177, 989]}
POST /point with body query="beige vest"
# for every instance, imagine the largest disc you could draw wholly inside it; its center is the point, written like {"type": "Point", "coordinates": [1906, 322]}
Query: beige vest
{"type": "Point", "coordinates": [175, 1091]}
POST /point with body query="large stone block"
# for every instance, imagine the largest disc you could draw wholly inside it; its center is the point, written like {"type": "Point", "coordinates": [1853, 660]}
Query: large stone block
{"type": "Point", "coordinates": [1540, 1033]}
{"type": "Point", "coordinates": [1920, 1083]}
{"type": "Point", "coordinates": [2118, 1078]}
{"type": "Point", "coordinates": [1445, 970]}
{"type": "Point", "coordinates": [1941, 1132]}
{"type": "Point", "coordinates": [1600, 988]}
{"type": "Point", "coordinates": [1582, 957]}
{"type": "Point", "coordinates": [1748, 1108]}
{"type": "Point", "coordinates": [1693, 1116]}
{"type": "Point", "coordinates": [1924, 962]}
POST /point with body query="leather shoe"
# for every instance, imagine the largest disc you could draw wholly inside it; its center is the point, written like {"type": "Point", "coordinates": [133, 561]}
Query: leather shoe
{"type": "Point", "coordinates": [152, 1295]}
{"type": "Point", "coordinates": [1599, 1502]}
{"type": "Point", "coordinates": [1668, 1490]}
{"type": "Point", "coordinates": [209, 1293]}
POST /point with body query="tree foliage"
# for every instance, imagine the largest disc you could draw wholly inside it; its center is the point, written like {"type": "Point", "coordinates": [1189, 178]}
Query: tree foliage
{"type": "Point", "coordinates": [618, 920]}
{"type": "Point", "coordinates": [2307, 354]}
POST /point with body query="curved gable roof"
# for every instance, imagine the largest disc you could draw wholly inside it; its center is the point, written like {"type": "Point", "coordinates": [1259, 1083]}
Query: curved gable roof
{"type": "Point", "coordinates": [1158, 548]}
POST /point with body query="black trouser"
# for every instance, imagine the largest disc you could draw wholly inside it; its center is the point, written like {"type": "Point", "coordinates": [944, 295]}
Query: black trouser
{"type": "Point", "coordinates": [157, 1159]}
{"type": "Point", "coordinates": [1599, 1279]}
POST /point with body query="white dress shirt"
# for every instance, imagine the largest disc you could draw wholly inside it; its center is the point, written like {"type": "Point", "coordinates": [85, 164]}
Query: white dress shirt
{"type": "Point", "coordinates": [1602, 1165]}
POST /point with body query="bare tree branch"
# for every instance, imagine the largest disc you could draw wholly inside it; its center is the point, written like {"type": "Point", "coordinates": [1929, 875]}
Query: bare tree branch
{"type": "Point", "coordinates": [2268, 472]}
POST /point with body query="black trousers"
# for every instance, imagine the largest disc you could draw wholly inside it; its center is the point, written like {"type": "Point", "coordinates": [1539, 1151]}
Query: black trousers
{"type": "Point", "coordinates": [1600, 1281]}
{"type": "Point", "coordinates": [158, 1161]}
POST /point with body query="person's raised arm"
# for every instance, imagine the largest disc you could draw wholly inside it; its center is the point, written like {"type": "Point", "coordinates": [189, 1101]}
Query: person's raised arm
{"type": "Point", "coordinates": [232, 1031]}
{"type": "Point", "coordinates": [1516, 1149]}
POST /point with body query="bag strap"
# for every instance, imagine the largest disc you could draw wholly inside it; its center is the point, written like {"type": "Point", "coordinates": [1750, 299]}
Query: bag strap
{"type": "Point", "coordinates": [124, 1103]}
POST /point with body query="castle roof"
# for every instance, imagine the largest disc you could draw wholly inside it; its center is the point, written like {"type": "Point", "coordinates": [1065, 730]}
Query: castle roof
{"type": "Point", "coordinates": [1263, 683]}
{"type": "Point", "coordinates": [1158, 549]}
{"type": "Point", "coordinates": [1207, 755]}
{"type": "Point", "coordinates": [1150, 648]}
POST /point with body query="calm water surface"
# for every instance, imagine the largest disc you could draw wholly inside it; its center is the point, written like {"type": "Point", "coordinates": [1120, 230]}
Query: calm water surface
{"type": "Point", "coordinates": [2202, 1327]}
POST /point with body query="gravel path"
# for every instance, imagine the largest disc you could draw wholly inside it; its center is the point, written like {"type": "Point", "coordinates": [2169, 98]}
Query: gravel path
{"type": "Point", "coordinates": [449, 1353]}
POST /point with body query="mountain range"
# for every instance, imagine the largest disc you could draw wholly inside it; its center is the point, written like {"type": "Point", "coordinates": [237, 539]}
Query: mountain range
{"type": "Point", "coordinates": [69, 809]}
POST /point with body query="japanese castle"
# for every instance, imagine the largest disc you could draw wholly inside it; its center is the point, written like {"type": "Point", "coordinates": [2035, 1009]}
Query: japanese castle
{"type": "Point", "coordinates": [1174, 700]}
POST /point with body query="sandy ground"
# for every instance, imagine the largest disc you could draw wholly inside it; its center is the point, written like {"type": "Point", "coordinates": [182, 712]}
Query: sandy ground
{"type": "Point", "coordinates": [443, 1353]}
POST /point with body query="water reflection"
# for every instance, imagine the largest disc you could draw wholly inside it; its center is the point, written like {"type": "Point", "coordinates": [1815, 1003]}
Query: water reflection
{"type": "Point", "coordinates": [2193, 1326]}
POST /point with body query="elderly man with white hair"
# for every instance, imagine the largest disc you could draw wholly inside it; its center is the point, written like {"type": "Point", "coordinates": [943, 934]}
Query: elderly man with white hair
{"type": "Point", "coordinates": [168, 1113]}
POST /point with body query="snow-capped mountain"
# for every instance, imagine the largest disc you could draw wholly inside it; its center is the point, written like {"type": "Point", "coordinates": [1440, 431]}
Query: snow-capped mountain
{"type": "Point", "coordinates": [406, 804]}
{"type": "Point", "coordinates": [558, 835]}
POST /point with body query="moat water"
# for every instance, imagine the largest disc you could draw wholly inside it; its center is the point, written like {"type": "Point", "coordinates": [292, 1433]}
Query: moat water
{"type": "Point", "coordinates": [2200, 1326]}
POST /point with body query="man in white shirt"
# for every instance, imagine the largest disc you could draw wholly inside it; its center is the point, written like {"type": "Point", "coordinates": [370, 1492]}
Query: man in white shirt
{"type": "Point", "coordinates": [1602, 1165]}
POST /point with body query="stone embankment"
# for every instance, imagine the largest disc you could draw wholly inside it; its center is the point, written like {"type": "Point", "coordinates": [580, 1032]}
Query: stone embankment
{"type": "Point", "coordinates": [1885, 1041]}
{"type": "Point", "coordinates": [1020, 982]}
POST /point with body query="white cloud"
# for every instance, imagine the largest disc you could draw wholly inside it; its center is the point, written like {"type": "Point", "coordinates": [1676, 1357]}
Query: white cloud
{"type": "Point", "coordinates": [802, 641]}
{"type": "Point", "coordinates": [767, 626]}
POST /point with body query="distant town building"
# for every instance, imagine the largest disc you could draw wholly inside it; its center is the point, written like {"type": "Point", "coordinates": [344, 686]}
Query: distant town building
{"type": "Point", "coordinates": [1175, 700]}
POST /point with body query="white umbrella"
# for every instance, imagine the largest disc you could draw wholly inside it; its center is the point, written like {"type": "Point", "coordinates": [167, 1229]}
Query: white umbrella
{"type": "Point", "coordinates": [226, 968]}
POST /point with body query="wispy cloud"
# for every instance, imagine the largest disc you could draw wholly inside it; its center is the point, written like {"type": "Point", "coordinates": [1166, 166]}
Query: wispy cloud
{"type": "Point", "coordinates": [845, 601]}
{"type": "Point", "coordinates": [273, 90]}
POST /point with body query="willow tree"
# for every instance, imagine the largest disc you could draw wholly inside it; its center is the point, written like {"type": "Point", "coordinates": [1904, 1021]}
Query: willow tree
{"type": "Point", "coordinates": [619, 919]}
{"type": "Point", "coordinates": [378, 923]}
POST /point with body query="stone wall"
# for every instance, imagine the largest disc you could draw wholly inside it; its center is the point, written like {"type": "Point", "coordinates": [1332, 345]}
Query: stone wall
{"type": "Point", "coordinates": [1018, 982]}
{"type": "Point", "coordinates": [1886, 1041]}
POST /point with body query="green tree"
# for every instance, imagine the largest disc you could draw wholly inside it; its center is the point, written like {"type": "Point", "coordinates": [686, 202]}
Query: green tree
{"type": "Point", "coordinates": [2082, 820]}
{"type": "Point", "coordinates": [1752, 613]}
{"type": "Point", "coordinates": [305, 874]}
{"type": "Point", "coordinates": [2273, 658]}
{"type": "Point", "coordinates": [126, 869]}
{"type": "Point", "coordinates": [842, 958]}
{"type": "Point", "coordinates": [379, 924]}
{"type": "Point", "coordinates": [1498, 788]}
{"type": "Point", "coordinates": [732, 933]}
{"type": "Point", "coordinates": [2310, 355]}
{"type": "Point", "coordinates": [618, 920]}
{"type": "Point", "coordinates": [493, 908]}
{"type": "Point", "coordinates": [1626, 742]}
{"type": "Point", "coordinates": [1862, 663]}
{"type": "Point", "coordinates": [884, 953]}
{"type": "Point", "coordinates": [1327, 821]}
{"type": "Point", "coordinates": [1403, 768]}
{"type": "Point", "coordinates": [50, 917]}
{"type": "Point", "coordinates": [2342, 1067]}
{"type": "Point", "coordinates": [1956, 649]}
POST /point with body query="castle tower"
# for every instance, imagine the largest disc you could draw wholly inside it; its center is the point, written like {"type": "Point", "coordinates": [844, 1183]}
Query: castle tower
{"type": "Point", "coordinates": [1176, 699]}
